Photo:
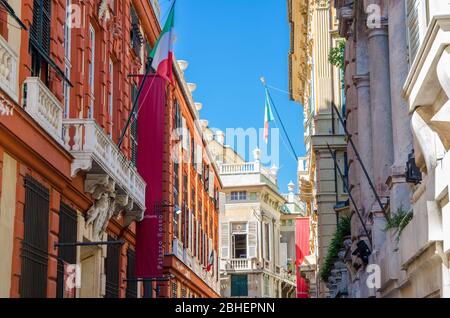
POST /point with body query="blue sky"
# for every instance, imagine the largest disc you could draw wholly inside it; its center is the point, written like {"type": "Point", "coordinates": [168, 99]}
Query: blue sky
{"type": "Point", "coordinates": [229, 44]}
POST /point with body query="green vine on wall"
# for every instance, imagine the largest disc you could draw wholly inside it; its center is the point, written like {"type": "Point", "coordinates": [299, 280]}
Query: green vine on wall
{"type": "Point", "coordinates": [336, 244]}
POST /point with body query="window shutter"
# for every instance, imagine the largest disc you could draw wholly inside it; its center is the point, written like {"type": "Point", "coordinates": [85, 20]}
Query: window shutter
{"type": "Point", "coordinates": [67, 234]}
{"type": "Point", "coordinates": [225, 239]}
{"type": "Point", "coordinates": [191, 231]}
{"type": "Point", "coordinates": [34, 253]}
{"type": "Point", "coordinates": [417, 25]}
{"type": "Point", "coordinates": [185, 138]}
{"type": "Point", "coordinates": [252, 238]}
{"type": "Point", "coordinates": [112, 270]}
{"type": "Point", "coordinates": [197, 245]}
{"type": "Point", "coordinates": [40, 28]}
{"type": "Point", "coordinates": [199, 159]}
{"type": "Point", "coordinates": [211, 185]}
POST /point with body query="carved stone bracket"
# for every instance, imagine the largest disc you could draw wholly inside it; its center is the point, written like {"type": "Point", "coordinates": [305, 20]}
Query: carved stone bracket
{"type": "Point", "coordinates": [103, 192]}
{"type": "Point", "coordinates": [6, 107]}
{"type": "Point", "coordinates": [108, 204]}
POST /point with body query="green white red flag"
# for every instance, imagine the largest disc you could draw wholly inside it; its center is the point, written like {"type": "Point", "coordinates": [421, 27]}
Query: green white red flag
{"type": "Point", "coordinates": [162, 53]}
{"type": "Point", "coordinates": [268, 117]}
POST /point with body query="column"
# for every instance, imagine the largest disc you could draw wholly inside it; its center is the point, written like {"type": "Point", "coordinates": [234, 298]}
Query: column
{"type": "Point", "coordinates": [380, 104]}
{"type": "Point", "coordinates": [402, 137]}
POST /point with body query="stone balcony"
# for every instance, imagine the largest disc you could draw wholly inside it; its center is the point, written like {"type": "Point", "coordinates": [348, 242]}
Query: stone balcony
{"type": "Point", "coordinates": [111, 176]}
{"type": "Point", "coordinates": [240, 264]}
{"type": "Point", "coordinates": [424, 229]}
{"type": "Point", "coordinates": [44, 107]}
{"type": "Point", "coordinates": [247, 173]}
{"type": "Point", "coordinates": [389, 260]}
{"type": "Point", "coordinates": [8, 70]}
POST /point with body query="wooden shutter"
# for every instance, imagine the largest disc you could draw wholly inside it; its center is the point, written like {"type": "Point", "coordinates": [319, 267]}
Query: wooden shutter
{"type": "Point", "coordinates": [199, 158]}
{"type": "Point", "coordinates": [67, 234]}
{"type": "Point", "coordinates": [40, 28]}
{"type": "Point", "coordinates": [34, 253]}
{"type": "Point", "coordinates": [211, 184]}
{"type": "Point", "coordinates": [252, 238]}
{"type": "Point", "coordinates": [225, 240]}
{"type": "Point", "coordinates": [112, 270]}
{"type": "Point", "coordinates": [197, 238]}
{"type": "Point", "coordinates": [185, 138]}
{"type": "Point", "coordinates": [416, 12]}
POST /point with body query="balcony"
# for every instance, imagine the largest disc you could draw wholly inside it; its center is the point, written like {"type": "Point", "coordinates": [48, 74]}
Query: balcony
{"type": "Point", "coordinates": [178, 249]}
{"type": "Point", "coordinates": [424, 229]}
{"type": "Point", "coordinates": [240, 264]}
{"type": "Point", "coordinates": [8, 70]}
{"type": "Point", "coordinates": [389, 259]}
{"type": "Point", "coordinates": [247, 173]}
{"type": "Point", "coordinates": [110, 174]}
{"type": "Point", "coordinates": [44, 107]}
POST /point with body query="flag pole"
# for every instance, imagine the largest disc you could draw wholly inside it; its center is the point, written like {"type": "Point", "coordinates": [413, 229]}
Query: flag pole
{"type": "Point", "coordinates": [135, 102]}
{"type": "Point", "coordinates": [136, 99]}
{"type": "Point", "coordinates": [263, 81]}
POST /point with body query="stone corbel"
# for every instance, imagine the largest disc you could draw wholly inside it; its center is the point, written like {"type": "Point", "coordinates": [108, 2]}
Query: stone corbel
{"type": "Point", "coordinates": [131, 214]}
{"type": "Point", "coordinates": [428, 146]}
{"type": "Point", "coordinates": [6, 107]}
{"type": "Point", "coordinates": [440, 122]}
{"type": "Point", "coordinates": [102, 189]}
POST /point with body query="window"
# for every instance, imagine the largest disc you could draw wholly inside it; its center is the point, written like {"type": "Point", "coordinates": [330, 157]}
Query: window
{"type": "Point", "coordinates": [131, 291]}
{"type": "Point", "coordinates": [216, 199]}
{"type": "Point", "coordinates": [239, 240]}
{"type": "Point", "coordinates": [135, 32]}
{"type": "Point", "coordinates": [67, 234]}
{"type": "Point", "coordinates": [33, 280]}
{"type": "Point", "coordinates": [238, 195]}
{"type": "Point", "coordinates": [174, 289]}
{"type": "Point", "coordinates": [177, 119]}
{"type": "Point", "coordinates": [67, 63]}
{"type": "Point", "coordinates": [239, 286]}
{"type": "Point", "coordinates": [206, 177]}
{"type": "Point", "coordinates": [40, 39]}
{"type": "Point", "coordinates": [91, 72]}
{"type": "Point", "coordinates": [112, 269]}
{"type": "Point", "coordinates": [345, 181]}
{"type": "Point", "coordinates": [185, 212]}
{"type": "Point", "coordinates": [417, 24]}
{"type": "Point", "coordinates": [266, 241]}
{"type": "Point", "coordinates": [176, 180]}
{"type": "Point", "coordinates": [193, 199]}
{"type": "Point", "coordinates": [111, 97]}
{"type": "Point", "coordinates": [134, 127]}
{"type": "Point", "coordinates": [193, 151]}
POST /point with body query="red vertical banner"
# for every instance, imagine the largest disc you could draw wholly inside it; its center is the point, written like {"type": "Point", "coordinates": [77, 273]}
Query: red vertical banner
{"type": "Point", "coordinates": [301, 250]}
{"type": "Point", "coordinates": [150, 141]}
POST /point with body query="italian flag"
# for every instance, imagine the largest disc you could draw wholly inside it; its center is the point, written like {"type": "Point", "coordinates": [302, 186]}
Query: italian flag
{"type": "Point", "coordinates": [268, 117]}
{"type": "Point", "coordinates": [162, 53]}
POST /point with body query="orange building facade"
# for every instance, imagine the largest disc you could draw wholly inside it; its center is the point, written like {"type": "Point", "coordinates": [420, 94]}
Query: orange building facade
{"type": "Point", "coordinates": [69, 196]}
